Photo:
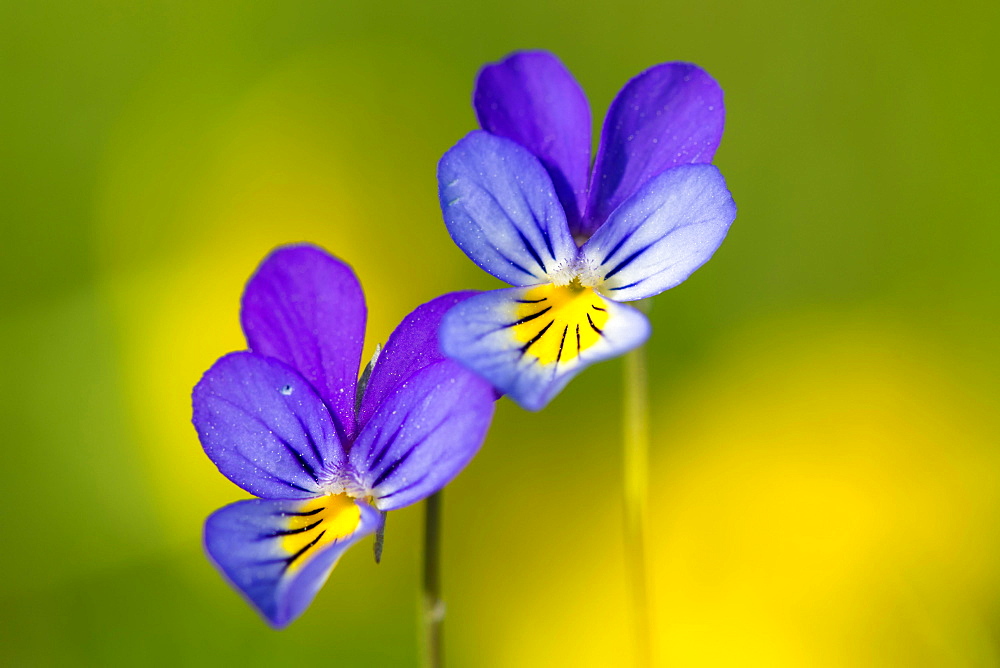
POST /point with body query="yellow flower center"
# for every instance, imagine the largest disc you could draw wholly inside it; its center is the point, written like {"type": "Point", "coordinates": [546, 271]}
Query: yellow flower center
{"type": "Point", "coordinates": [316, 523]}
{"type": "Point", "coordinates": [555, 323]}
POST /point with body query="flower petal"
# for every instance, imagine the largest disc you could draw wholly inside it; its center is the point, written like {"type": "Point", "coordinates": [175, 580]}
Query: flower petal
{"type": "Point", "coordinates": [501, 209]}
{"type": "Point", "coordinates": [412, 346]}
{"type": "Point", "coordinates": [279, 553]}
{"type": "Point", "coordinates": [264, 427]}
{"type": "Point", "coordinates": [660, 235]}
{"type": "Point", "coordinates": [532, 98]}
{"type": "Point", "coordinates": [529, 342]}
{"type": "Point", "coordinates": [671, 114]}
{"type": "Point", "coordinates": [306, 308]}
{"type": "Point", "coordinates": [423, 434]}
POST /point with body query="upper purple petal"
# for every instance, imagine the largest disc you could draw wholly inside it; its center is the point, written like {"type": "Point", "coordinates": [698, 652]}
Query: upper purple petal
{"type": "Point", "coordinates": [660, 235]}
{"type": "Point", "coordinates": [423, 434]}
{"type": "Point", "coordinates": [265, 428]}
{"type": "Point", "coordinates": [306, 308]}
{"type": "Point", "coordinates": [501, 209]}
{"type": "Point", "coordinates": [669, 115]}
{"type": "Point", "coordinates": [532, 98]}
{"type": "Point", "coordinates": [412, 346]}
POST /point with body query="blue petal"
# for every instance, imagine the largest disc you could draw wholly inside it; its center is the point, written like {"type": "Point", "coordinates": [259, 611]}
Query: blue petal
{"type": "Point", "coordinates": [265, 428]}
{"type": "Point", "coordinates": [423, 434]}
{"type": "Point", "coordinates": [669, 115]}
{"type": "Point", "coordinates": [278, 554]}
{"type": "Point", "coordinates": [532, 98]}
{"type": "Point", "coordinates": [305, 307]}
{"type": "Point", "coordinates": [660, 235]}
{"type": "Point", "coordinates": [501, 209]}
{"type": "Point", "coordinates": [529, 342]}
{"type": "Point", "coordinates": [412, 346]}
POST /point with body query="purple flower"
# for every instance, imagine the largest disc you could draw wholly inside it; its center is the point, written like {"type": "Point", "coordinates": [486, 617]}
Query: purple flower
{"type": "Point", "coordinates": [286, 422]}
{"type": "Point", "coordinates": [520, 200]}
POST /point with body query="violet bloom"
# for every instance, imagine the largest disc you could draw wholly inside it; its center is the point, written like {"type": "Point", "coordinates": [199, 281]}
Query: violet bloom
{"type": "Point", "coordinates": [517, 199]}
{"type": "Point", "coordinates": [283, 422]}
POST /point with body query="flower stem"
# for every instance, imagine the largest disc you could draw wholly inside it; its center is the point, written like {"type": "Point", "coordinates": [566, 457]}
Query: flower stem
{"type": "Point", "coordinates": [433, 606]}
{"type": "Point", "coordinates": [636, 483]}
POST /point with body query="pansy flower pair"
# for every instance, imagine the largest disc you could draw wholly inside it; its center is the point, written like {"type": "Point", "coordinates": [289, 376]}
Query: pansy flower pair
{"type": "Point", "coordinates": [328, 454]}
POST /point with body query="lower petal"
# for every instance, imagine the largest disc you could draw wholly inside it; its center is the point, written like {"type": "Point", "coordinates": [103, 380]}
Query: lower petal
{"type": "Point", "coordinates": [529, 342]}
{"type": "Point", "coordinates": [279, 553]}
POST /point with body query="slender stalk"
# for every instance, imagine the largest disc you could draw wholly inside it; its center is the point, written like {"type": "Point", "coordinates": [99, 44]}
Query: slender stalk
{"type": "Point", "coordinates": [433, 606]}
{"type": "Point", "coordinates": [636, 485]}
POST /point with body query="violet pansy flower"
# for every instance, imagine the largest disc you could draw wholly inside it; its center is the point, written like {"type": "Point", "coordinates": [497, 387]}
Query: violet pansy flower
{"type": "Point", "coordinates": [521, 200]}
{"type": "Point", "coordinates": [284, 421]}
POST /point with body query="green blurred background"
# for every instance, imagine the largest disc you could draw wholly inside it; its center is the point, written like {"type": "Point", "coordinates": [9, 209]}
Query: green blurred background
{"type": "Point", "coordinates": [825, 465]}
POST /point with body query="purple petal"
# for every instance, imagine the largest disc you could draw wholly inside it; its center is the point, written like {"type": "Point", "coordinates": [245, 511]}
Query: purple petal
{"type": "Point", "coordinates": [532, 98]}
{"type": "Point", "coordinates": [412, 346]}
{"type": "Point", "coordinates": [265, 428]}
{"type": "Point", "coordinates": [423, 434]}
{"type": "Point", "coordinates": [278, 554]}
{"type": "Point", "coordinates": [660, 235]}
{"type": "Point", "coordinates": [305, 308]}
{"type": "Point", "coordinates": [669, 115]}
{"type": "Point", "coordinates": [529, 342]}
{"type": "Point", "coordinates": [501, 209]}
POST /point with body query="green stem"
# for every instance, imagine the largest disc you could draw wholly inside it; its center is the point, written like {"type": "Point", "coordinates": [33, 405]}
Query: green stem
{"type": "Point", "coordinates": [636, 485]}
{"type": "Point", "coordinates": [433, 606]}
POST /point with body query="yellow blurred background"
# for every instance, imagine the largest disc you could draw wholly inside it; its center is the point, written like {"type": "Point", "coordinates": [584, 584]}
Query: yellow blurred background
{"type": "Point", "coordinates": [825, 455]}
